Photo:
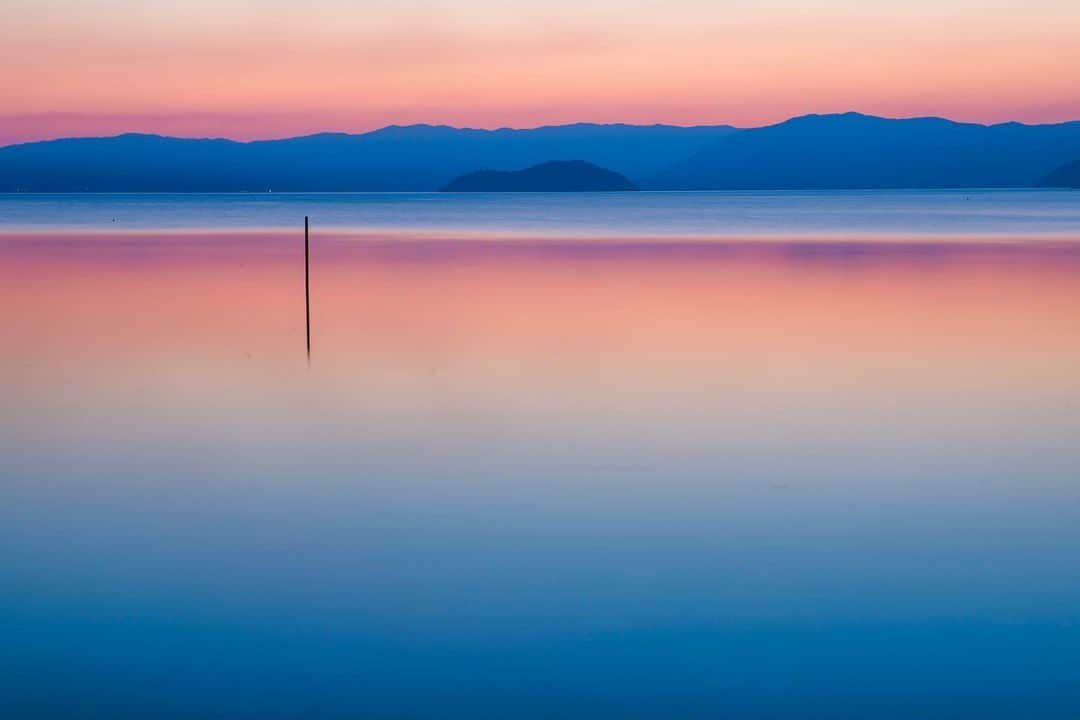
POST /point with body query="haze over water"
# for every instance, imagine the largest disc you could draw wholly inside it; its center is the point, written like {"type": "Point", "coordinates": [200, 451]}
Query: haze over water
{"type": "Point", "coordinates": [864, 214]}
{"type": "Point", "coordinates": [653, 455]}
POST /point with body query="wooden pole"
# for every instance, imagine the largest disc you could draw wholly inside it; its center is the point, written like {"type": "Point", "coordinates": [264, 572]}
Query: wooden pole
{"type": "Point", "coordinates": [307, 289]}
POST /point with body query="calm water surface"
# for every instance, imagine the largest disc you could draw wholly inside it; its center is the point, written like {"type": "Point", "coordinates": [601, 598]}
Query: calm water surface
{"type": "Point", "coordinates": [548, 459]}
{"type": "Point", "coordinates": [861, 214]}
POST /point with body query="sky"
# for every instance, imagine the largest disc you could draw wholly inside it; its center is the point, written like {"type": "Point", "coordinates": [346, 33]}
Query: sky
{"type": "Point", "coordinates": [273, 68]}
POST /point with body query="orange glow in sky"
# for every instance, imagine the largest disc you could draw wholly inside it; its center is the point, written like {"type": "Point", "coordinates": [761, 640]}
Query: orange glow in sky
{"type": "Point", "coordinates": [273, 68]}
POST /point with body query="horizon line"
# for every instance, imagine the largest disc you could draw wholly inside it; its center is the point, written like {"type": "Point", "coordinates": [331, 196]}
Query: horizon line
{"type": "Point", "coordinates": [507, 128]}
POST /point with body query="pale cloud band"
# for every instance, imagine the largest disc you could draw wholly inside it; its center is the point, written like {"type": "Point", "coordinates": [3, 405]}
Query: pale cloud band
{"type": "Point", "coordinates": [270, 68]}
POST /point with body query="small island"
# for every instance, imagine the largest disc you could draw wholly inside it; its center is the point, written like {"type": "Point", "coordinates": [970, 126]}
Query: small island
{"type": "Point", "coordinates": [1066, 176]}
{"type": "Point", "coordinates": [555, 176]}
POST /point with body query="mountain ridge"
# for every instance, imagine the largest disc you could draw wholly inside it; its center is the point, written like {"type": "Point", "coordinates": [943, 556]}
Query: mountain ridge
{"type": "Point", "coordinates": [402, 158]}
{"type": "Point", "coordinates": [857, 151]}
{"type": "Point", "coordinates": [382, 130]}
{"type": "Point", "coordinates": [812, 151]}
{"type": "Point", "coordinates": [501, 129]}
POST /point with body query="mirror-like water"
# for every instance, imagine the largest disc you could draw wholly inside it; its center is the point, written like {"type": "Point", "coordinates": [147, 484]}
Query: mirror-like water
{"type": "Point", "coordinates": [538, 478]}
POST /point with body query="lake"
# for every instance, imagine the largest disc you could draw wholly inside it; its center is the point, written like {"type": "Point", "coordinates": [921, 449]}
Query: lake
{"type": "Point", "coordinates": [656, 455]}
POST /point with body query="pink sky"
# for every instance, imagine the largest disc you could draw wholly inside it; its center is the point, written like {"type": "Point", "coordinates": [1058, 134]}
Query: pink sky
{"type": "Point", "coordinates": [246, 69]}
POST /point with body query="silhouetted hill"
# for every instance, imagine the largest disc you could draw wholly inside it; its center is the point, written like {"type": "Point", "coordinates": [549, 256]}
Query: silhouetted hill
{"type": "Point", "coordinates": [810, 152]}
{"type": "Point", "coordinates": [555, 176]}
{"type": "Point", "coordinates": [861, 151]}
{"type": "Point", "coordinates": [418, 157]}
{"type": "Point", "coordinates": [1065, 176]}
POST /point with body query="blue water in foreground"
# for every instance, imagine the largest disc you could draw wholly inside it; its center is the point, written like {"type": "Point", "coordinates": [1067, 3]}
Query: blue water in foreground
{"type": "Point", "coordinates": [832, 475]}
{"type": "Point", "coordinates": [986, 212]}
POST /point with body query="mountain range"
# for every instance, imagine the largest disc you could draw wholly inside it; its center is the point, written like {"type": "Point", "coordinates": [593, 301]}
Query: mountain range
{"type": "Point", "coordinates": [412, 158]}
{"type": "Point", "coordinates": [861, 151]}
{"type": "Point", "coordinates": [848, 150]}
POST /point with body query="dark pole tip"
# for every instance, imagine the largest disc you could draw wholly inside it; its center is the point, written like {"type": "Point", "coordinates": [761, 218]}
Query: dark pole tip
{"type": "Point", "coordinates": [307, 290]}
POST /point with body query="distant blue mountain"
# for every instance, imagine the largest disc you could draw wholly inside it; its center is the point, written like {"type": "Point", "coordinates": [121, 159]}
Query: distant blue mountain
{"type": "Point", "coordinates": [814, 151]}
{"type": "Point", "coordinates": [418, 157]}
{"type": "Point", "coordinates": [1067, 175]}
{"type": "Point", "coordinates": [555, 176]}
{"type": "Point", "coordinates": [862, 151]}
